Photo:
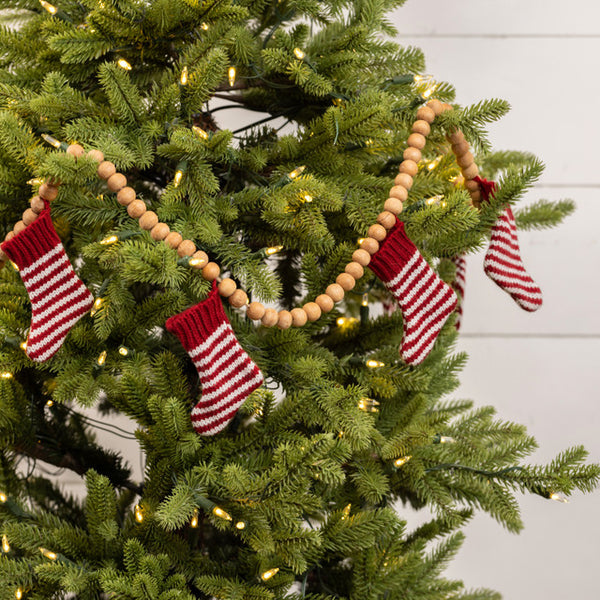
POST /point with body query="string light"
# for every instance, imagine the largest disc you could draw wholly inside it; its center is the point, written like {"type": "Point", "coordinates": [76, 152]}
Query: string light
{"type": "Point", "coordinates": [3, 497]}
{"type": "Point", "coordinates": [423, 78]}
{"type": "Point", "coordinates": [5, 544]}
{"type": "Point", "coordinates": [49, 7]}
{"type": "Point", "coordinates": [273, 250]}
{"type": "Point", "coordinates": [231, 76]}
{"type": "Point", "coordinates": [23, 345]}
{"type": "Point", "coordinates": [297, 171]}
{"type": "Point", "coordinates": [401, 461]}
{"type": "Point", "coordinates": [432, 164]}
{"type": "Point", "coordinates": [124, 64]}
{"type": "Point", "coordinates": [49, 403]}
{"type": "Point", "coordinates": [558, 498]}
{"type": "Point", "coordinates": [200, 132]}
{"type": "Point", "coordinates": [365, 299]}
{"type": "Point", "coordinates": [98, 302]}
{"type": "Point", "coordinates": [219, 512]}
{"type": "Point", "coordinates": [204, 26]}
{"type": "Point", "coordinates": [194, 521]}
{"type": "Point", "coordinates": [369, 142]}
{"type": "Point", "coordinates": [139, 515]}
{"type": "Point", "coordinates": [374, 364]}
{"type": "Point", "coordinates": [268, 574]}
{"type": "Point", "coordinates": [361, 240]}
{"type": "Point", "coordinates": [445, 439]}
{"type": "Point", "coordinates": [102, 358]}
{"type": "Point", "coordinates": [345, 322]}
{"type": "Point", "coordinates": [49, 554]}
{"type": "Point", "coordinates": [51, 140]}
{"type": "Point", "coordinates": [368, 405]}
{"type": "Point", "coordinates": [337, 101]}
{"type": "Point", "coordinates": [307, 198]}
{"type": "Point", "coordinates": [111, 239]}
{"type": "Point", "coordinates": [299, 54]}
{"type": "Point", "coordinates": [6, 375]}
{"type": "Point", "coordinates": [14, 265]}
{"type": "Point", "coordinates": [36, 180]}
{"type": "Point", "coordinates": [346, 512]}
{"type": "Point", "coordinates": [18, 593]}
{"type": "Point", "coordinates": [194, 262]}
{"type": "Point", "coordinates": [184, 76]}
{"type": "Point", "coordinates": [240, 525]}
{"type": "Point", "coordinates": [178, 177]}
{"type": "Point", "coordinates": [123, 351]}
{"type": "Point", "coordinates": [434, 200]}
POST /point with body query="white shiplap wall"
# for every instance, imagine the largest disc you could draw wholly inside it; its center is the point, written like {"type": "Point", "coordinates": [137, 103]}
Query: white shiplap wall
{"type": "Point", "coordinates": [538, 369]}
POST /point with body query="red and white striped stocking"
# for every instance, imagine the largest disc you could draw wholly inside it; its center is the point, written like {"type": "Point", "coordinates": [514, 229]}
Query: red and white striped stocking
{"type": "Point", "coordinates": [424, 299]}
{"type": "Point", "coordinates": [458, 285]}
{"type": "Point", "coordinates": [227, 374]}
{"type": "Point", "coordinates": [58, 297]}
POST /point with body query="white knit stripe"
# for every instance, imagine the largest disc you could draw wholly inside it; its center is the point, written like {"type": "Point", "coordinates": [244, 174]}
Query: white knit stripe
{"type": "Point", "coordinates": [514, 269]}
{"type": "Point", "coordinates": [511, 281]}
{"type": "Point", "coordinates": [407, 267]}
{"type": "Point", "coordinates": [237, 362]}
{"type": "Point", "coordinates": [229, 414]}
{"type": "Point", "coordinates": [530, 306]}
{"type": "Point", "coordinates": [216, 350]}
{"type": "Point", "coordinates": [80, 291]}
{"type": "Point", "coordinates": [447, 306]}
{"type": "Point", "coordinates": [505, 254]}
{"type": "Point", "coordinates": [62, 274]}
{"type": "Point", "coordinates": [49, 352]}
{"type": "Point", "coordinates": [512, 287]}
{"type": "Point", "coordinates": [60, 263]}
{"type": "Point", "coordinates": [35, 265]}
{"type": "Point", "coordinates": [502, 237]}
{"type": "Point", "coordinates": [56, 333]}
{"type": "Point", "coordinates": [420, 265]}
{"type": "Point", "coordinates": [230, 385]}
{"type": "Point", "coordinates": [424, 289]}
{"type": "Point", "coordinates": [206, 370]}
{"type": "Point", "coordinates": [40, 327]}
{"type": "Point", "coordinates": [209, 341]}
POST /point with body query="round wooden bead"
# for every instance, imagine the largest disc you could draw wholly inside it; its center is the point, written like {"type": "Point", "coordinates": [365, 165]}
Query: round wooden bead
{"type": "Point", "coordinates": [200, 258]}
{"type": "Point", "coordinates": [75, 150]}
{"type": "Point", "coordinates": [106, 169]}
{"type": "Point", "coordinates": [404, 180]}
{"type": "Point", "coordinates": [436, 106]}
{"type": "Point", "coordinates": [96, 155]}
{"type": "Point", "coordinates": [3, 258]}
{"type": "Point", "coordinates": [9, 236]}
{"type": "Point", "coordinates": [37, 204]}
{"type": "Point", "coordinates": [285, 319]}
{"type": "Point", "coordinates": [409, 167]}
{"type": "Point", "coordinates": [464, 160]}
{"type": "Point", "coordinates": [312, 310]}
{"type": "Point", "coordinates": [371, 245]}
{"type": "Point", "coordinates": [324, 302]}
{"type": "Point", "coordinates": [19, 226]}
{"type": "Point", "coordinates": [174, 239]}
{"type": "Point", "coordinates": [126, 196]}
{"type": "Point", "coordinates": [335, 291]}
{"type": "Point", "coordinates": [116, 182]}
{"type": "Point", "coordinates": [446, 106]}
{"type": "Point", "coordinates": [255, 311]}
{"type": "Point", "coordinates": [355, 270]}
{"type": "Point", "coordinates": [416, 140]}
{"type": "Point", "coordinates": [160, 231]}
{"type": "Point", "coordinates": [227, 287]}
{"type": "Point", "coordinates": [211, 271]}
{"type": "Point", "coordinates": [460, 148]}
{"type": "Point", "coordinates": [347, 282]}
{"type": "Point", "coordinates": [426, 114]}
{"type": "Point", "coordinates": [148, 220]}
{"type": "Point", "coordinates": [386, 219]}
{"type": "Point", "coordinates": [471, 185]}
{"type": "Point", "coordinates": [136, 209]}
{"type": "Point", "coordinates": [29, 216]}
{"type": "Point", "coordinates": [399, 192]}
{"type": "Point", "coordinates": [270, 317]}
{"type": "Point", "coordinates": [238, 299]}
{"type": "Point", "coordinates": [377, 232]}
{"type": "Point", "coordinates": [393, 205]}
{"type": "Point", "coordinates": [362, 257]}
{"type": "Point", "coordinates": [48, 192]}
{"type": "Point", "coordinates": [186, 248]}
{"type": "Point", "coordinates": [299, 317]}
{"type": "Point", "coordinates": [413, 154]}
{"type": "Point", "coordinates": [476, 197]}
{"type": "Point", "coordinates": [470, 172]}
{"type": "Point", "coordinates": [456, 137]}
{"type": "Point", "coordinates": [421, 126]}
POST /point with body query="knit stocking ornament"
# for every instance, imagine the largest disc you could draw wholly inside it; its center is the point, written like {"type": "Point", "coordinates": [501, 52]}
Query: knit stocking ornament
{"type": "Point", "coordinates": [502, 262]}
{"type": "Point", "coordinates": [424, 299]}
{"type": "Point", "coordinates": [458, 285]}
{"type": "Point", "coordinates": [58, 297]}
{"type": "Point", "coordinates": [227, 374]}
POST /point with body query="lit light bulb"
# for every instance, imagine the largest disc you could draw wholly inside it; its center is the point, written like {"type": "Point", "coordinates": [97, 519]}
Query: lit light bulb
{"type": "Point", "coordinates": [345, 322]}
{"type": "Point", "coordinates": [98, 302]}
{"type": "Point", "coordinates": [5, 544]}
{"type": "Point", "coordinates": [139, 515]}
{"type": "Point", "coordinates": [360, 241]}
{"type": "Point", "coordinates": [307, 198]}
{"type": "Point", "coordinates": [49, 554]}
{"type": "Point", "coordinates": [123, 351]}
{"type": "Point", "coordinates": [374, 364]}
{"type": "Point", "coordinates": [365, 299]}
{"type": "Point", "coordinates": [102, 358]}
{"type": "Point", "coordinates": [422, 78]}
{"type": "Point", "coordinates": [23, 345]}
{"type": "Point", "coordinates": [432, 164]}
{"type": "Point", "coordinates": [401, 461]}
{"type": "Point", "coordinates": [273, 250]}
{"type": "Point", "coordinates": [49, 7]}
{"type": "Point", "coordinates": [434, 200]}
{"type": "Point", "coordinates": [200, 132]}
{"type": "Point", "coordinates": [51, 140]}
{"type": "Point", "coordinates": [346, 512]}
{"type": "Point", "coordinates": [3, 497]}
{"type": "Point", "coordinates": [6, 375]}
{"type": "Point", "coordinates": [124, 64]}
{"type": "Point", "coordinates": [219, 512]}
{"type": "Point", "coordinates": [231, 76]}
{"type": "Point", "coordinates": [268, 574]}
{"type": "Point", "coordinates": [14, 265]}
{"type": "Point", "coordinates": [369, 142]}
{"type": "Point", "coordinates": [204, 26]}
{"type": "Point", "coordinates": [240, 525]}
{"type": "Point", "coordinates": [299, 54]}
{"type": "Point", "coordinates": [446, 439]}
{"type": "Point", "coordinates": [178, 177]}
{"type": "Point", "coordinates": [558, 498]}
{"type": "Point", "coordinates": [194, 521]}
{"type": "Point", "coordinates": [36, 180]}
{"type": "Point", "coordinates": [111, 239]}
{"type": "Point", "coordinates": [184, 76]}
{"type": "Point", "coordinates": [18, 593]}
{"type": "Point", "coordinates": [297, 171]}
{"type": "Point", "coordinates": [49, 403]}
{"type": "Point", "coordinates": [368, 405]}
{"type": "Point", "coordinates": [337, 101]}
{"type": "Point", "coordinates": [194, 262]}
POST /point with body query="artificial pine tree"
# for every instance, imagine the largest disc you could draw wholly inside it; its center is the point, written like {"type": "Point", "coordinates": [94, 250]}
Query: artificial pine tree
{"type": "Point", "coordinates": [299, 492]}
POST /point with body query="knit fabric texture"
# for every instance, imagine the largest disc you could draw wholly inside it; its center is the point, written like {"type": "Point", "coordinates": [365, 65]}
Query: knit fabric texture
{"type": "Point", "coordinates": [425, 300]}
{"type": "Point", "coordinates": [227, 374]}
{"type": "Point", "coordinates": [58, 297]}
{"type": "Point", "coordinates": [458, 285]}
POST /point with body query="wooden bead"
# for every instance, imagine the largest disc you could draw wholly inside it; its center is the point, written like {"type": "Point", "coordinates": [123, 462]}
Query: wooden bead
{"type": "Point", "coordinates": [116, 182]}
{"type": "Point", "coordinates": [96, 155]}
{"type": "Point", "coordinates": [238, 299]}
{"type": "Point", "coordinates": [136, 209]}
{"type": "Point", "coordinates": [148, 220]}
{"type": "Point", "coordinates": [324, 302]}
{"type": "Point", "coordinates": [436, 106]}
{"type": "Point", "coordinates": [270, 317]}
{"type": "Point", "coordinates": [456, 137]}
{"type": "Point", "coordinates": [460, 148]}
{"type": "Point", "coordinates": [347, 282]}
{"type": "Point", "coordinates": [409, 167]}
{"type": "Point", "coordinates": [446, 107]}
{"type": "Point", "coordinates": [9, 236]}
{"type": "Point", "coordinates": [29, 216]}
{"type": "Point", "coordinates": [312, 310]}
{"type": "Point", "coordinates": [199, 257]}
{"type": "Point", "coordinates": [465, 160]}
{"type": "Point", "coordinates": [355, 270]}
{"type": "Point", "coordinates": [255, 311]}
{"type": "Point", "coordinates": [386, 219]}
{"type": "Point", "coordinates": [126, 196]}
{"type": "Point", "coordinates": [48, 192]}
{"type": "Point", "coordinates": [476, 197]}
{"type": "Point", "coordinates": [299, 317]}
{"type": "Point", "coordinates": [160, 231]}
{"type": "Point", "coordinates": [426, 114]}
{"type": "Point", "coordinates": [371, 245]}
{"type": "Point", "coordinates": [471, 186]}
{"type": "Point", "coordinates": [404, 180]}
{"type": "Point", "coordinates": [377, 232]}
{"type": "Point", "coordinates": [470, 172]}
{"type": "Point", "coordinates": [75, 150]}
{"type": "Point", "coordinates": [3, 258]}
{"type": "Point", "coordinates": [416, 140]}
{"type": "Point", "coordinates": [335, 291]}
{"type": "Point", "coordinates": [37, 204]}
{"type": "Point", "coordinates": [19, 226]}
{"type": "Point", "coordinates": [211, 271]}
{"type": "Point", "coordinates": [421, 126]}
{"type": "Point", "coordinates": [174, 239]}
{"type": "Point", "coordinates": [393, 205]}
{"type": "Point", "coordinates": [227, 287]}
{"type": "Point", "coordinates": [186, 248]}
{"type": "Point", "coordinates": [413, 154]}
{"type": "Point", "coordinates": [285, 319]}
{"type": "Point", "coordinates": [106, 169]}
{"type": "Point", "coordinates": [362, 257]}
{"type": "Point", "coordinates": [399, 192]}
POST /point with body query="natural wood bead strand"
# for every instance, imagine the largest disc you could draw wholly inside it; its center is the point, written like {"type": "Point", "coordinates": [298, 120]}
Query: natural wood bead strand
{"type": "Point", "coordinates": [75, 150]}
{"type": "Point", "coordinates": [409, 167]}
{"type": "Point", "coordinates": [471, 186]}
{"type": "Point", "coordinates": [299, 317]}
{"type": "Point", "coordinates": [335, 291]}
{"type": "Point", "coordinates": [436, 106]}
{"type": "Point", "coordinates": [270, 317]}
{"type": "Point", "coordinates": [393, 205]}
{"type": "Point", "coordinates": [37, 204]}
{"type": "Point", "coordinates": [354, 269]}
{"type": "Point", "coordinates": [255, 311]}
{"type": "Point", "coordinates": [404, 180]}
{"type": "Point", "coordinates": [457, 137]}
{"type": "Point", "coordinates": [19, 226]}
{"type": "Point", "coordinates": [377, 232]}
{"type": "Point", "coordinates": [9, 236]}
{"type": "Point", "coordinates": [174, 239]}
{"type": "Point", "coordinates": [200, 258]}
{"type": "Point", "coordinates": [325, 303]}
{"type": "Point", "coordinates": [186, 248]}
{"type": "Point", "coordinates": [426, 113]}
{"type": "Point", "coordinates": [470, 172]}
{"type": "Point", "coordinates": [413, 154]}
{"type": "Point", "coordinates": [347, 282]}
{"type": "Point", "coordinates": [285, 319]}
{"type": "Point", "coordinates": [464, 160]}
{"type": "Point", "coordinates": [96, 155]}
{"type": "Point", "coordinates": [227, 287]}
{"type": "Point", "coordinates": [29, 216]}
{"type": "Point", "coordinates": [312, 310]}
{"type": "Point", "coordinates": [386, 219]}
{"type": "Point", "coordinates": [48, 192]}
{"type": "Point", "coordinates": [136, 209]}
{"type": "Point", "coordinates": [362, 257]}
{"type": "Point", "coordinates": [125, 196]}
{"type": "Point", "coordinates": [148, 220]}
{"type": "Point", "coordinates": [238, 299]}
{"type": "Point", "coordinates": [211, 271]}
{"type": "Point", "coordinates": [106, 169]}
{"type": "Point", "coordinates": [371, 245]}
{"type": "Point", "coordinates": [416, 140]}
{"type": "Point", "coordinates": [421, 126]}
{"type": "Point", "coordinates": [399, 192]}
{"type": "Point", "coordinates": [116, 182]}
{"type": "Point", "coordinates": [160, 231]}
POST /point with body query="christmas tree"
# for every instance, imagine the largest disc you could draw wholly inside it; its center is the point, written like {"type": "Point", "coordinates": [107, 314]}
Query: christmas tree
{"type": "Point", "coordinates": [278, 322]}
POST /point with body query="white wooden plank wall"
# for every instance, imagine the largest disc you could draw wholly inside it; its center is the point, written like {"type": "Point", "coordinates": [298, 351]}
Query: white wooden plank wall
{"type": "Point", "coordinates": [538, 369]}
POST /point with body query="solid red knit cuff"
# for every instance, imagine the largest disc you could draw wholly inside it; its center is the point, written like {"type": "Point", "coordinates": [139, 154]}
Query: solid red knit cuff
{"type": "Point", "coordinates": [195, 324]}
{"type": "Point", "coordinates": [393, 254]}
{"type": "Point", "coordinates": [33, 242]}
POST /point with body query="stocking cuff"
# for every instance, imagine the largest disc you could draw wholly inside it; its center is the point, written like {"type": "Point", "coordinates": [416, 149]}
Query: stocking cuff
{"type": "Point", "coordinates": [486, 188]}
{"type": "Point", "coordinates": [33, 242]}
{"type": "Point", "coordinates": [393, 254]}
{"type": "Point", "coordinates": [195, 324]}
